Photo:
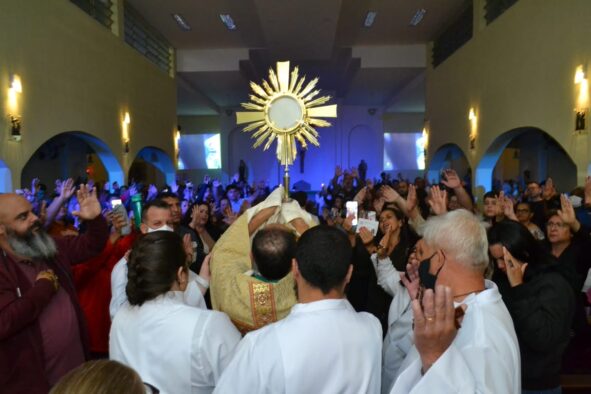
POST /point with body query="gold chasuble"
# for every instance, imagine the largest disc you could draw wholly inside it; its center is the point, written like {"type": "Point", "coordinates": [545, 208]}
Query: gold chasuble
{"type": "Point", "coordinates": [250, 302]}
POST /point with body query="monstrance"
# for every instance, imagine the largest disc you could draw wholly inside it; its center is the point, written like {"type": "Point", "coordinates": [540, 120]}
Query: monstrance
{"type": "Point", "coordinates": [286, 111]}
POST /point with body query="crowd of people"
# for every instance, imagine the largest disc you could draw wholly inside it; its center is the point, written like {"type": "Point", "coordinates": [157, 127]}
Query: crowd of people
{"type": "Point", "coordinates": [230, 288]}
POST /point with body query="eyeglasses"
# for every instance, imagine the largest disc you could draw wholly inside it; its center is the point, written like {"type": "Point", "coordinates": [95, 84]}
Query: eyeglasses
{"type": "Point", "coordinates": [556, 225]}
{"type": "Point", "coordinates": [522, 211]}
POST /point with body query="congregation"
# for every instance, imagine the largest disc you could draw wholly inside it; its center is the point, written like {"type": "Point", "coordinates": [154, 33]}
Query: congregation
{"type": "Point", "coordinates": [233, 289]}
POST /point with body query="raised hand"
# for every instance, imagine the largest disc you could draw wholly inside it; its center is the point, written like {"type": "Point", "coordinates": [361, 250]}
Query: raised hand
{"type": "Point", "coordinates": [451, 179]}
{"type": "Point", "coordinates": [152, 190]}
{"type": "Point", "coordinates": [205, 271]}
{"type": "Point", "coordinates": [360, 196]}
{"type": "Point", "coordinates": [438, 200]}
{"type": "Point", "coordinates": [411, 279]}
{"type": "Point", "coordinates": [378, 204]}
{"type": "Point", "coordinates": [389, 194]}
{"type": "Point", "coordinates": [43, 211]}
{"type": "Point", "coordinates": [174, 187]}
{"type": "Point", "coordinates": [133, 189]}
{"type": "Point", "coordinates": [434, 324]}
{"type": "Point", "coordinates": [90, 206]}
{"type": "Point", "coordinates": [507, 204]}
{"type": "Point", "coordinates": [411, 198]}
{"type": "Point", "coordinates": [366, 236]}
{"type": "Point", "coordinates": [67, 189]}
{"type": "Point", "coordinates": [567, 213]}
{"type": "Point", "coordinates": [118, 221]}
{"type": "Point", "coordinates": [515, 269]}
{"type": "Point", "coordinates": [383, 244]}
{"type": "Point", "coordinates": [348, 223]}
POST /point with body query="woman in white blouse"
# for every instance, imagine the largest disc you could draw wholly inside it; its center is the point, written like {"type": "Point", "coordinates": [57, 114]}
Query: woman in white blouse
{"type": "Point", "coordinates": [173, 346]}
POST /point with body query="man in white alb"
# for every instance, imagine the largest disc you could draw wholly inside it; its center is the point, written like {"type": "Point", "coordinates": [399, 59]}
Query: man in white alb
{"type": "Point", "coordinates": [481, 356]}
{"type": "Point", "coordinates": [323, 345]}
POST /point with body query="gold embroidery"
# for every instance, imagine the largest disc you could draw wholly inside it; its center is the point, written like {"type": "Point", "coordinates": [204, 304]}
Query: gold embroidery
{"type": "Point", "coordinates": [262, 301]}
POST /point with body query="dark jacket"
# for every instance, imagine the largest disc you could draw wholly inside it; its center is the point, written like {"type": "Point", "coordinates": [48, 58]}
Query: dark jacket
{"type": "Point", "coordinates": [22, 368]}
{"type": "Point", "coordinates": [542, 309]}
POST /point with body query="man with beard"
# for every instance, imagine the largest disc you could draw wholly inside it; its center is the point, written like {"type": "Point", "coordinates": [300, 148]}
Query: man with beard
{"type": "Point", "coordinates": [42, 329]}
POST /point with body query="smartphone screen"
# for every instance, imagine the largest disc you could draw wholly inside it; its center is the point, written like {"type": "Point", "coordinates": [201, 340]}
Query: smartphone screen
{"type": "Point", "coordinates": [115, 202]}
{"type": "Point", "coordinates": [352, 210]}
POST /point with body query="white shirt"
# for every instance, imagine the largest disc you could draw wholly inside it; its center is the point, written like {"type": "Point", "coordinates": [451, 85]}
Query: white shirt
{"type": "Point", "coordinates": [320, 347]}
{"type": "Point", "coordinates": [399, 338]}
{"type": "Point", "coordinates": [483, 357]}
{"type": "Point", "coordinates": [192, 294]}
{"type": "Point", "coordinates": [174, 347]}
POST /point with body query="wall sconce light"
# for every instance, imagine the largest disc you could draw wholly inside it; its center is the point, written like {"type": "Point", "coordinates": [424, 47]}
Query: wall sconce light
{"type": "Point", "coordinates": [14, 90]}
{"type": "Point", "coordinates": [582, 98]}
{"type": "Point", "coordinates": [580, 74]}
{"type": "Point", "coordinates": [125, 128]}
{"type": "Point", "coordinates": [473, 128]}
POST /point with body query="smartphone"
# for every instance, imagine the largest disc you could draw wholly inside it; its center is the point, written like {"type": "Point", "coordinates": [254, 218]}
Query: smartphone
{"type": "Point", "coordinates": [115, 202]}
{"type": "Point", "coordinates": [351, 207]}
{"type": "Point", "coordinates": [119, 209]}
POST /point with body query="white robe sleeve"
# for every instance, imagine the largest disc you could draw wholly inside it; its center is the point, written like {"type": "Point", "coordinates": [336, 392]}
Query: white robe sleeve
{"type": "Point", "coordinates": [193, 294]}
{"type": "Point", "coordinates": [469, 370]}
{"type": "Point", "coordinates": [388, 276]}
{"type": "Point", "coordinates": [118, 284]}
{"type": "Point", "coordinates": [214, 345]}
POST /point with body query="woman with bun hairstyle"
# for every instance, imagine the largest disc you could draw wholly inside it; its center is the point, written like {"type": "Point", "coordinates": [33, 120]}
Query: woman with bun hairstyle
{"type": "Point", "coordinates": [173, 346]}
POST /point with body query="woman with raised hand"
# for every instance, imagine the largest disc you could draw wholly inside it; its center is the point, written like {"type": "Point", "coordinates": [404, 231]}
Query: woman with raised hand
{"type": "Point", "coordinates": [396, 239]}
{"type": "Point", "coordinates": [198, 219]}
{"type": "Point", "coordinates": [570, 243]}
{"type": "Point", "coordinates": [173, 346]}
{"type": "Point", "coordinates": [539, 299]}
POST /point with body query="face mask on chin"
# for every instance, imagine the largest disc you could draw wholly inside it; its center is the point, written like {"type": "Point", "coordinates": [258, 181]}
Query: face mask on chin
{"type": "Point", "coordinates": [427, 279]}
{"type": "Point", "coordinates": [166, 227]}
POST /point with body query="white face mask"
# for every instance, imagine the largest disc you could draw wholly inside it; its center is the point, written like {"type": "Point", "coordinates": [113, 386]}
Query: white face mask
{"type": "Point", "coordinates": [166, 227]}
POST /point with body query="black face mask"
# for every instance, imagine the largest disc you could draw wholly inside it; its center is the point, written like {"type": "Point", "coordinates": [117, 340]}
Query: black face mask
{"type": "Point", "coordinates": [427, 279]}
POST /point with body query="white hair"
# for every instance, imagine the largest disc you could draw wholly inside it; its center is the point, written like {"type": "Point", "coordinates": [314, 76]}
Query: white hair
{"type": "Point", "coordinates": [462, 237]}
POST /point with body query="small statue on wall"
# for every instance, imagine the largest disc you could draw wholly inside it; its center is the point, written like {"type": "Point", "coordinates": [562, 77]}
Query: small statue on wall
{"type": "Point", "coordinates": [242, 171]}
{"type": "Point", "coordinates": [362, 170]}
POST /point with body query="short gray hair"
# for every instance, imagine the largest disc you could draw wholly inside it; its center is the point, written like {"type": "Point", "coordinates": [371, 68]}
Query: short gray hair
{"type": "Point", "coordinates": [461, 235]}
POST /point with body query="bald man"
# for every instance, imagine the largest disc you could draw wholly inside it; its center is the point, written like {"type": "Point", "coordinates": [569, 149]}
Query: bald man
{"type": "Point", "coordinates": [42, 330]}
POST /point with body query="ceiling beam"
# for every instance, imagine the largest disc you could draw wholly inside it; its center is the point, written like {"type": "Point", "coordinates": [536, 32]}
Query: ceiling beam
{"type": "Point", "coordinates": [198, 93]}
{"type": "Point", "coordinates": [400, 94]}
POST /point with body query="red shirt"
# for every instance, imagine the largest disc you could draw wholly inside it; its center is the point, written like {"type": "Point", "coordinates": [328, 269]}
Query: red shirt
{"type": "Point", "coordinates": [93, 285]}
